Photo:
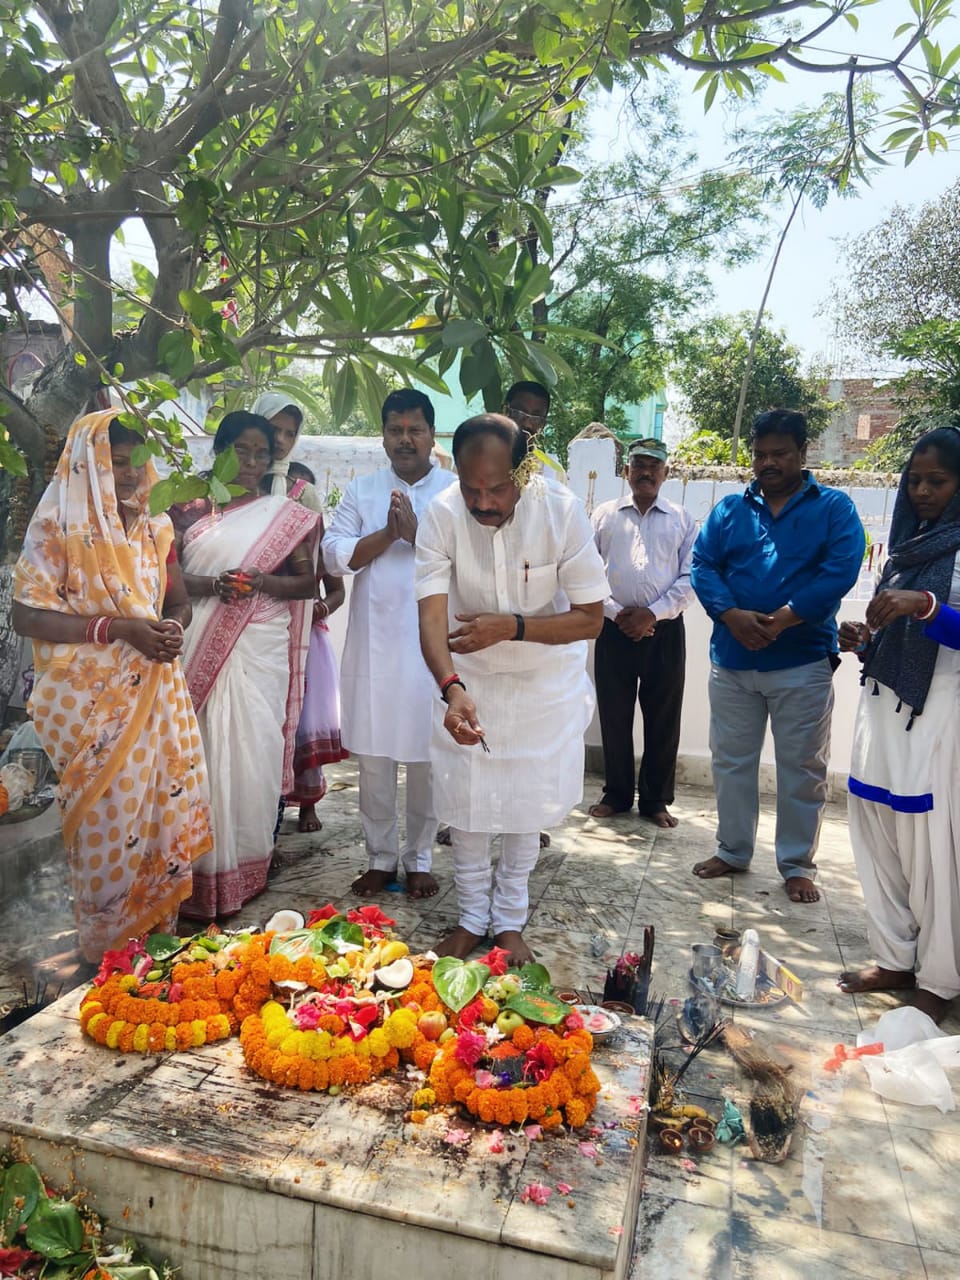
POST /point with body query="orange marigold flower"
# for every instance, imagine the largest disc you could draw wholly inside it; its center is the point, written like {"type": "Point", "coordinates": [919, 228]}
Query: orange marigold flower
{"type": "Point", "coordinates": [523, 1038]}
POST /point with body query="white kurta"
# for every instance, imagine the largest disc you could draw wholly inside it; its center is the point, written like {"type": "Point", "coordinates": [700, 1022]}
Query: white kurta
{"type": "Point", "coordinates": [534, 701]}
{"type": "Point", "coordinates": [386, 691]}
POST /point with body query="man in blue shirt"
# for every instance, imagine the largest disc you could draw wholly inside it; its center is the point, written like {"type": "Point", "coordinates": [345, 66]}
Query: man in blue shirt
{"type": "Point", "coordinates": [770, 567]}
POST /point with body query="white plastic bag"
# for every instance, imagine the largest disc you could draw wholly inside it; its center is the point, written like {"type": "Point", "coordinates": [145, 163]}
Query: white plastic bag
{"type": "Point", "coordinates": [913, 1075]}
{"type": "Point", "coordinates": [899, 1027]}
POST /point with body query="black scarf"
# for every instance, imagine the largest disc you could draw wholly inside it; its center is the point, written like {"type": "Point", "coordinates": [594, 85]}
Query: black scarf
{"type": "Point", "coordinates": [921, 559]}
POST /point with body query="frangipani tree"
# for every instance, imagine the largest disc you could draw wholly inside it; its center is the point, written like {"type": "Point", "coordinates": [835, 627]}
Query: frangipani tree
{"type": "Point", "coordinates": [364, 181]}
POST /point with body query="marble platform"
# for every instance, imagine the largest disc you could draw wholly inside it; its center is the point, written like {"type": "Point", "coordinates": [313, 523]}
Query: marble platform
{"type": "Point", "coordinates": [229, 1176]}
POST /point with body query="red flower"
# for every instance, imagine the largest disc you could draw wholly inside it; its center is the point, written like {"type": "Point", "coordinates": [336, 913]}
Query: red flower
{"type": "Point", "coordinates": [127, 960]}
{"type": "Point", "coordinates": [323, 913]}
{"type": "Point", "coordinates": [362, 1019]}
{"type": "Point", "coordinates": [470, 1013]}
{"type": "Point", "coordinates": [12, 1261]}
{"type": "Point", "coordinates": [370, 918]}
{"type": "Point", "coordinates": [573, 1022]}
{"type": "Point", "coordinates": [539, 1062]}
{"type": "Point", "coordinates": [496, 961]}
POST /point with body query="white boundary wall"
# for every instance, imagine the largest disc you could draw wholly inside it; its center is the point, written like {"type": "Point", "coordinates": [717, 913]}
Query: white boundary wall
{"type": "Point", "coordinates": [335, 460]}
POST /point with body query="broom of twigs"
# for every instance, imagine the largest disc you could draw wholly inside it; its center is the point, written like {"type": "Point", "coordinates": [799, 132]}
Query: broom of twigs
{"type": "Point", "coordinates": [774, 1109]}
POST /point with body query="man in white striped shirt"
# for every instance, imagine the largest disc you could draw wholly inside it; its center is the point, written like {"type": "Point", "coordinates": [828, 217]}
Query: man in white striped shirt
{"type": "Point", "coordinates": [645, 542]}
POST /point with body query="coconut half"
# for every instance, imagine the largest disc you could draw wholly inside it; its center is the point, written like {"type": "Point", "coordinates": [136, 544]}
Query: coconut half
{"type": "Point", "coordinates": [284, 922]}
{"type": "Point", "coordinates": [396, 976]}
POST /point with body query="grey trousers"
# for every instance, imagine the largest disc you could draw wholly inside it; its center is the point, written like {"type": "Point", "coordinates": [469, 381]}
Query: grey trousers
{"type": "Point", "coordinates": [798, 702]}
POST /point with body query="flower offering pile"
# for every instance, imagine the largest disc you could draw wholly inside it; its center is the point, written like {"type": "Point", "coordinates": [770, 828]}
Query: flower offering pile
{"type": "Point", "coordinates": [161, 994]}
{"type": "Point", "coordinates": [321, 1005]}
{"type": "Point", "coordinates": [501, 1044]}
{"type": "Point", "coordinates": [45, 1234]}
{"type": "Point", "coordinates": [338, 1001]}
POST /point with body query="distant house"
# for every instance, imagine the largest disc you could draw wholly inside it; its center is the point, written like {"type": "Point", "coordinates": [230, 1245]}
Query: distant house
{"type": "Point", "coordinates": [867, 409]}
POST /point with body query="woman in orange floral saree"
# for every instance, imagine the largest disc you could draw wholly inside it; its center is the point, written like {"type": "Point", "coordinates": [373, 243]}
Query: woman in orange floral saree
{"type": "Point", "coordinates": [101, 595]}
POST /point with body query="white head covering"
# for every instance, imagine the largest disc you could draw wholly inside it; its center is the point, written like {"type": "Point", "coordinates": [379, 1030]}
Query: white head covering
{"type": "Point", "coordinates": [268, 404]}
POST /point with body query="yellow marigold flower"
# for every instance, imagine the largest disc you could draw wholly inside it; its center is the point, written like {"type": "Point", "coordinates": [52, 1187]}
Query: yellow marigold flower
{"type": "Point", "coordinates": [141, 1038]}
{"type": "Point", "coordinates": [128, 982]}
{"type": "Point", "coordinates": [113, 1034]}
{"type": "Point", "coordinates": [170, 1039]}
{"type": "Point", "coordinates": [424, 1098]}
{"type": "Point", "coordinates": [199, 1029]}
{"type": "Point", "coordinates": [379, 1044]}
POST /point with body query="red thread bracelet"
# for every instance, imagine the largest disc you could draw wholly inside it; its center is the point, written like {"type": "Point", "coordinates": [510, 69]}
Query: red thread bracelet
{"type": "Point", "coordinates": [447, 681]}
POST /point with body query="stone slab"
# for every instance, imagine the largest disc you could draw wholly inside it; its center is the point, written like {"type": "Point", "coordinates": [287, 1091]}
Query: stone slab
{"type": "Point", "coordinates": [231, 1176]}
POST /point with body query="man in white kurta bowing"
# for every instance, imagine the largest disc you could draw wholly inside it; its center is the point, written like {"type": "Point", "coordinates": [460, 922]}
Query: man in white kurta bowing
{"type": "Point", "coordinates": [510, 587]}
{"type": "Point", "coordinates": [386, 691]}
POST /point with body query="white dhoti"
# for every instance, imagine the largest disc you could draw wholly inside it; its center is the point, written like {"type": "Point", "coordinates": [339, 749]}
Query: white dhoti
{"type": "Point", "coordinates": [904, 810]}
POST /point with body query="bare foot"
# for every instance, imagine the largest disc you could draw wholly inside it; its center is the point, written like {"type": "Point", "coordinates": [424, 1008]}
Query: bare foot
{"type": "Point", "coordinates": [873, 978]}
{"type": "Point", "coordinates": [604, 810]}
{"type": "Point", "coordinates": [662, 818]}
{"type": "Point", "coordinates": [421, 884]}
{"type": "Point", "coordinates": [371, 883]}
{"type": "Point", "coordinates": [934, 1006]}
{"type": "Point", "coordinates": [513, 942]}
{"type": "Point", "coordinates": [714, 867]}
{"type": "Point", "coordinates": [443, 836]}
{"type": "Point", "coordinates": [801, 889]}
{"type": "Point", "coordinates": [308, 820]}
{"type": "Point", "coordinates": [459, 942]}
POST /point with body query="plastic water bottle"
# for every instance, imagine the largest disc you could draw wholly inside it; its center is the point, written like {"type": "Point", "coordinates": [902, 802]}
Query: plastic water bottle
{"type": "Point", "coordinates": [746, 987]}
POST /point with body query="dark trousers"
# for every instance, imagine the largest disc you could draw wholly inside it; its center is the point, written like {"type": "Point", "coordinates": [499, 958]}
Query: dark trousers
{"type": "Point", "coordinates": [649, 671]}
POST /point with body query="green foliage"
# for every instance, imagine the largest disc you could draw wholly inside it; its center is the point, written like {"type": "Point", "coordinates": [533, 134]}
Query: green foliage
{"type": "Point", "coordinates": [711, 368]}
{"type": "Point", "coordinates": [708, 449]}
{"type": "Point", "coordinates": [633, 246]}
{"type": "Point", "coordinates": [370, 184]}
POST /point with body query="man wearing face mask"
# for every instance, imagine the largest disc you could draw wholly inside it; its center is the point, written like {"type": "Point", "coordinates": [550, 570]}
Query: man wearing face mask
{"type": "Point", "coordinates": [386, 690]}
{"type": "Point", "coordinates": [645, 542]}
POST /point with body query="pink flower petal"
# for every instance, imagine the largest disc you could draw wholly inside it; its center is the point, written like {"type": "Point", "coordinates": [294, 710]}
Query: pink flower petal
{"type": "Point", "coordinates": [564, 1188]}
{"type": "Point", "coordinates": [534, 1132]}
{"type": "Point", "coordinates": [615, 1231]}
{"type": "Point", "coordinates": [495, 1143]}
{"type": "Point", "coordinates": [589, 1149]}
{"type": "Point", "coordinates": [536, 1193]}
{"type": "Point", "coordinates": [457, 1137]}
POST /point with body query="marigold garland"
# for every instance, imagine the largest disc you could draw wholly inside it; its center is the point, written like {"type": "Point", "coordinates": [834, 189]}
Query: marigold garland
{"type": "Point", "coordinates": [126, 1014]}
{"type": "Point", "coordinates": [568, 1093]}
{"type": "Point", "coordinates": [275, 1049]}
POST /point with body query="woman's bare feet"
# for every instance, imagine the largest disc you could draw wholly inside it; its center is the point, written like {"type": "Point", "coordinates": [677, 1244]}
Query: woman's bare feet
{"type": "Point", "coordinates": [934, 1006]}
{"type": "Point", "coordinates": [459, 942]}
{"type": "Point", "coordinates": [801, 889]}
{"type": "Point", "coordinates": [371, 883]}
{"type": "Point", "coordinates": [421, 884]}
{"type": "Point", "coordinates": [713, 867]}
{"type": "Point", "coordinates": [512, 941]}
{"type": "Point", "coordinates": [873, 978]}
{"type": "Point", "coordinates": [308, 820]}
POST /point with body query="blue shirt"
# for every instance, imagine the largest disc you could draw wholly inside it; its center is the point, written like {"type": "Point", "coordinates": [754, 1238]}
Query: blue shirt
{"type": "Point", "coordinates": [808, 557]}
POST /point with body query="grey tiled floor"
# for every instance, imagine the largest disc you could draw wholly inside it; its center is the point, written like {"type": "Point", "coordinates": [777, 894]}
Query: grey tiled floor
{"type": "Point", "coordinates": [869, 1187]}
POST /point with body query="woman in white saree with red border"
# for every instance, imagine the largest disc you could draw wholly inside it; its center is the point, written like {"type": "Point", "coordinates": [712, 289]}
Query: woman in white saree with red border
{"type": "Point", "coordinates": [244, 656]}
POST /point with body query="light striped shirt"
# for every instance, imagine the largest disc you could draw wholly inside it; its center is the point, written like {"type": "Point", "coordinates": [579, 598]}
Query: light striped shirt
{"type": "Point", "coordinates": [647, 557]}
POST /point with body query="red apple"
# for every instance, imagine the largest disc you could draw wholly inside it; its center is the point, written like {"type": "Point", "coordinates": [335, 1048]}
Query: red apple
{"type": "Point", "coordinates": [432, 1025]}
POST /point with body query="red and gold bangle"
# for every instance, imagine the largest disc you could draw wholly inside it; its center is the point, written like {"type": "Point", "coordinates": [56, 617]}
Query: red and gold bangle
{"type": "Point", "coordinates": [922, 615]}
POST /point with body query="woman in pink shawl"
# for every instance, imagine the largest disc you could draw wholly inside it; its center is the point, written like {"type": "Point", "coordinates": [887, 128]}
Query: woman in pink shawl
{"type": "Point", "coordinates": [249, 569]}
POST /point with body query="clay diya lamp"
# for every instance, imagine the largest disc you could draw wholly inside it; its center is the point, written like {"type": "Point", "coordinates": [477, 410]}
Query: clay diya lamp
{"type": "Point", "coordinates": [570, 997]}
{"type": "Point", "coordinates": [700, 1139]}
{"type": "Point", "coordinates": [671, 1141]}
{"type": "Point", "coordinates": [618, 1006]}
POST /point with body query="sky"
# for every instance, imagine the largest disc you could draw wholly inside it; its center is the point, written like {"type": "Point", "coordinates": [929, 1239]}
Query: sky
{"type": "Point", "coordinates": [811, 262]}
